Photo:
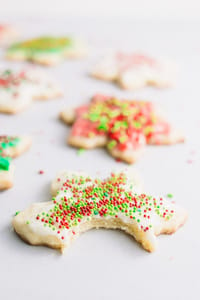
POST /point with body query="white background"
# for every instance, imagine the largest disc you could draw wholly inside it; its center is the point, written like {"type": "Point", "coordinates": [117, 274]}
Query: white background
{"type": "Point", "coordinates": [137, 9]}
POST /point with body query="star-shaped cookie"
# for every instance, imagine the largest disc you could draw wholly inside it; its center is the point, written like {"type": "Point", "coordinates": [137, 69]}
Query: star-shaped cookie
{"type": "Point", "coordinates": [124, 127]}
{"type": "Point", "coordinates": [10, 147]}
{"type": "Point", "coordinates": [47, 50]}
{"type": "Point", "coordinates": [135, 70]}
{"type": "Point", "coordinates": [18, 88]}
{"type": "Point", "coordinates": [81, 202]}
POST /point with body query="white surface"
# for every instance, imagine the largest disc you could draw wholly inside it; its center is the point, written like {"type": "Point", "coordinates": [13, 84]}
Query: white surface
{"type": "Point", "coordinates": [142, 9]}
{"type": "Point", "coordinates": [107, 264]}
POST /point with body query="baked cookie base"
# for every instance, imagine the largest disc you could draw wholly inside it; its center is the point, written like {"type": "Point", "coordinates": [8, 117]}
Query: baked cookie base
{"type": "Point", "coordinates": [7, 178]}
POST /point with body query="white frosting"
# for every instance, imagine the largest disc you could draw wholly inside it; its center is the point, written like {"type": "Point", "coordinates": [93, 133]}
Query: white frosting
{"type": "Point", "coordinates": [36, 85]}
{"type": "Point", "coordinates": [157, 222]}
{"type": "Point", "coordinates": [135, 75]}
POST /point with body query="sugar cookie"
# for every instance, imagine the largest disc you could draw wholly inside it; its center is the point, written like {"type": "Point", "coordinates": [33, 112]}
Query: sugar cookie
{"type": "Point", "coordinates": [18, 88]}
{"type": "Point", "coordinates": [82, 202]}
{"type": "Point", "coordinates": [10, 147]}
{"type": "Point", "coordinates": [133, 71]}
{"type": "Point", "coordinates": [47, 50]}
{"type": "Point", "coordinates": [123, 126]}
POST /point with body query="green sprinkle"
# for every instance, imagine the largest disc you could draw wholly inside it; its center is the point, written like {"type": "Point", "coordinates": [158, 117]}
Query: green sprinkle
{"type": "Point", "coordinates": [137, 124]}
{"type": "Point", "coordinates": [170, 195]}
{"type": "Point", "coordinates": [80, 151]}
{"type": "Point", "coordinates": [112, 144]}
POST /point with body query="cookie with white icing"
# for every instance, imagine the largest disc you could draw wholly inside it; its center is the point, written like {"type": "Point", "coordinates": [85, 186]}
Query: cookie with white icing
{"type": "Point", "coordinates": [18, 88]}
{"type": "Point", "coordinates": [124, 127]}
{"type": "Point", "coordinates": [47, 50]}
{"type": "Point", "coordinates": [81, 202]}
{"type": "Point", "coordinates": [136, 70]}
{"type": "Point", "coordinates": [8, 34]}
{"type": "Point", "coordinates": [10, 147]}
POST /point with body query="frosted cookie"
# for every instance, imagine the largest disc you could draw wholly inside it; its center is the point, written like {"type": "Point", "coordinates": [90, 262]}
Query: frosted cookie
{"type": "Point", "coordinates": [124, 127]}
{"type": "Point", "coordinates": [10, 147]}
{"type": "Point", "coordinates": [132, 71]}
{"type": "Point", "coordinates": [47, 50]}
{"type": "Point", "coordinates": [8, 34]}
{"type": "Point", "coordinates": [6, 173]}
{"type": "Point", "coordinates": [18, 88]}
{"type": "Point", "coordinates": [83, 202]}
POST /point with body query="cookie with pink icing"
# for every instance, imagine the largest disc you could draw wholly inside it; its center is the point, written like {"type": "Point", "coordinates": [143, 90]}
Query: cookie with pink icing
{"type": "Point", "coordinates": [81, 202]}
{"type": "Point", "coordinates": [10, 147]}
{"type": "Point", "coordinates": [18, 88]}
{"type": "Point", "coordinates": [124, 127]}
{"type": "Point", "coordinates": [135, 70]}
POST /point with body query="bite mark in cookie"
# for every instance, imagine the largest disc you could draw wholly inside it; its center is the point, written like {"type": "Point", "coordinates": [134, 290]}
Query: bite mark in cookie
{"type": "Point", "coordinates": [81, 202]}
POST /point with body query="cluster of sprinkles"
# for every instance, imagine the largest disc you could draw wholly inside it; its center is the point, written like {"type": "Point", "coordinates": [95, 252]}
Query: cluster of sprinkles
{"type": "Point", "coordinates": [9, 79]}
{"type": "Point", "coordinates": [6, 142]}
{"type": "Point", "coordinates": [82, 198]}
{"type": "Point", "coordinates": [43, 44]}
{"type": "Point", "coordinates": [124, 122]}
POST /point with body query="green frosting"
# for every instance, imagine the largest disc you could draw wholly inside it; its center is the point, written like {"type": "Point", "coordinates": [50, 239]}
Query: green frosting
{"type": "Point", "coordinates": [7, 141]}
{"type": "Point", "coordinates": [4, 163]}
{"type": "Point", "coordinates": [43, 44]}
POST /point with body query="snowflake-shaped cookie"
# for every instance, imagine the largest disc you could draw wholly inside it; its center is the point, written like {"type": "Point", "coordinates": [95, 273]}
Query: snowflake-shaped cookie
{"type": "Point", "coordinates": [132, 71]}
{"type": "Point", "coordinates": [124, 127]}
{"type": "Point", "coordinates": [18, 88]}
{"type": "Point", "coordinates": [47, 50]}
{"type": "Point", "coordinates": [81, 202]}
